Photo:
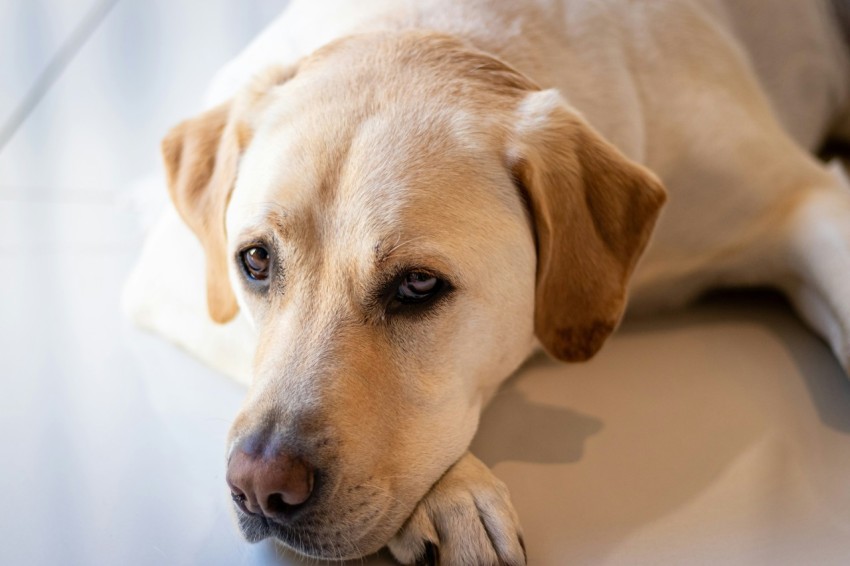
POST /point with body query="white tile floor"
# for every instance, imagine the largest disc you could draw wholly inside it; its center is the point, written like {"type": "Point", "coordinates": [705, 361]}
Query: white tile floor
{"type": "Point", "coordinates": [718, 435]}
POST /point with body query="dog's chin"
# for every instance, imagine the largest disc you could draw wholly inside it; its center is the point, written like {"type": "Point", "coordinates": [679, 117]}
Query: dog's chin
{"type": "Point", "coordinates": [317, 538]}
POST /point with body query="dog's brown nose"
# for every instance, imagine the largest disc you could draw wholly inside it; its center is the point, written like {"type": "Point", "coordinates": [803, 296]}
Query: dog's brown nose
{"type": "Point", "coordinates": [271, 485]}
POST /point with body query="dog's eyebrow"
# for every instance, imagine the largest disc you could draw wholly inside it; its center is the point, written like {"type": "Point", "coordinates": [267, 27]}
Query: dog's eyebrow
{"type": "Point", "coordinates": [384, 249]}
{"type": "Point", "coordinates": [276, 215]}
{"type": "Point", "coordinates": [271, 216]}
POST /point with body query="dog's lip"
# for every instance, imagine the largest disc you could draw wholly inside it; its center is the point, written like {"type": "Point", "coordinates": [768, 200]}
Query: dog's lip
{"type": "Point", "coordinates": [255, 528]}
{"type": "Point", "coordinates": [243, 514]}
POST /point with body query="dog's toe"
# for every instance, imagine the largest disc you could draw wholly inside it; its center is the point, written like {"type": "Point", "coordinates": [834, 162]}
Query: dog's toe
{"type": "Point", "coordinates": [466, 519]}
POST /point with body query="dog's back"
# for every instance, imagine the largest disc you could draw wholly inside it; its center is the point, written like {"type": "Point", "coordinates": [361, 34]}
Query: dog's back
{"type": "Point", "coordinates": [799, 53]}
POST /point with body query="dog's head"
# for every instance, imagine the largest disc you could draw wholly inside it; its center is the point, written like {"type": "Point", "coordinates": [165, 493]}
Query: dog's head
{"type": "Point", "coordinates": [400, 216]}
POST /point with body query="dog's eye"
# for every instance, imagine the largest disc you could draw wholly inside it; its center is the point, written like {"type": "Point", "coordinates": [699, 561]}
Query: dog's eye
{"type": "Point", "coordinates": [256, 261]}
{"type": "Point", "coordinates": [417, 287]}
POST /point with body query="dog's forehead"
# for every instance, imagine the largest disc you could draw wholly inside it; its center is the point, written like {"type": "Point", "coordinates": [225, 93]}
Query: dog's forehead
{"type": "Point", "coordinates": [365, 181]}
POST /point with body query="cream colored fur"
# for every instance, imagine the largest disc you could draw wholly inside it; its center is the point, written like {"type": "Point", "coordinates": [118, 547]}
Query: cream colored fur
{"type": "Point", "coordinates": [724, 107]}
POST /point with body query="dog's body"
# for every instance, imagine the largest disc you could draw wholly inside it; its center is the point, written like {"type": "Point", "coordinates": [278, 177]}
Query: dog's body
{"type": "Point", "coordinates": [724, 107]}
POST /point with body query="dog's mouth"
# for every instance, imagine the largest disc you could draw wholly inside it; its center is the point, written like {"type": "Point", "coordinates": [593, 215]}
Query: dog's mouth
{"type": "Point", "coordinates": [306, 539]}
{"type": "Point", "coordinates": [349, 532]}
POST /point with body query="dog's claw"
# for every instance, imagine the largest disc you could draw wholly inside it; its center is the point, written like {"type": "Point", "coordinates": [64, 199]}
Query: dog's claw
{"type": "Point", "coordinates": [465, 519]}
{"type": "Point", "coordinates": [431, 556]}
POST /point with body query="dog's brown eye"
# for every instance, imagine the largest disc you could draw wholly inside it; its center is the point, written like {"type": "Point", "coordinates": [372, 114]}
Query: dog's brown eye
{"type": "Point", "coordinates": [417, 287]}
{"type": "Point", "coordinates": [256, 261]}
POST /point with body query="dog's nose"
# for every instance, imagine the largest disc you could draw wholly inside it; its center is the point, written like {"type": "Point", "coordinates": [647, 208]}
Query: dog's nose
{"type": "Point", "coordinates": [271, 484]}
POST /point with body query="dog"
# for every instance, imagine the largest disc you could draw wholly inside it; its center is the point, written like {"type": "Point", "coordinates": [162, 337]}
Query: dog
{"type": "Point", "coordinates": [398, 202]}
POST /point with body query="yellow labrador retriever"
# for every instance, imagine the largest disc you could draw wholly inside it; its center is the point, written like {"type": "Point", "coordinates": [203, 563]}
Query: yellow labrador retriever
{"type": "Point", "coordinates": [397, 201]}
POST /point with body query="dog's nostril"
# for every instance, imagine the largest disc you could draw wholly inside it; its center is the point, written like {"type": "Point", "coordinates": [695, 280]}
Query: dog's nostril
{"type": "Point", "coordinates": [275, 505]}
{"type": "Point", "coordinates": [285, 487]}
{"type": "Point", "coordinates": [273, 485]}
{"type": "Point", "coordinates": [243, 502]}
{"type": "Point", "coordinates": [238, 496]}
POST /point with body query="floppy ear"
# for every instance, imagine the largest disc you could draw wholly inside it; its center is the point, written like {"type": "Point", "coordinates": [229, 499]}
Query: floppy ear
{"type": "Point", "coordinates": [593, 212]}
{"type": "Point", "coordinates": [201, 158]}
{"type": "Point", "coordinates": [201, 162]}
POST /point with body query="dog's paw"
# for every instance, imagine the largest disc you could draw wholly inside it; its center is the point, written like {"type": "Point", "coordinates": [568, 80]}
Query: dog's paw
{"type": "Point", "coordinates": [465, 519]}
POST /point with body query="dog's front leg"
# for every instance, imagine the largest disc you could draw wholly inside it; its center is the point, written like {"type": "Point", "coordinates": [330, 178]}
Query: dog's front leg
{"type": "Point", "coordinates": [465, 519]}
{"type": "Point", "coordinates": [818, 252]}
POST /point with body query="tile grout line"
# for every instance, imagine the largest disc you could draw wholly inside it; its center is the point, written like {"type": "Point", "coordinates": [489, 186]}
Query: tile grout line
{"type": "Point", "coordinates": [64, 55]}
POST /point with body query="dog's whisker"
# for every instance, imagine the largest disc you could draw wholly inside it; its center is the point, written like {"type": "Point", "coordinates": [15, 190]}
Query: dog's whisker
{"type": "Point", "coordinates": [400, 245]}
{"type": "Point", "coordinates": [351, 544]}
{"type": "Point", "coordinates": [385, 493]}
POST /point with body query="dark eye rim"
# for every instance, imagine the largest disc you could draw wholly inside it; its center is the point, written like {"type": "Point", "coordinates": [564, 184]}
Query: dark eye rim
{"type": "Point", "coordinates": [243, 267]}
{"type": "Point", "coordinates": [393, 305]}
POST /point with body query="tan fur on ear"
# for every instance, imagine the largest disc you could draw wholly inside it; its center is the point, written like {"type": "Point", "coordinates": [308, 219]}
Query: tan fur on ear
{"type": "Point", "coordinates": [593, 211]}
{"type": "Point", "coordinates": [201, 165]}
{"type": "Point", "coordinates": [201, 158]}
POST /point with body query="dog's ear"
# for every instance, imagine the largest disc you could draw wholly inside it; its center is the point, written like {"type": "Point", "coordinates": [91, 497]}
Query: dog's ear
{"type": "Point", "coordinates": [201, 162]}
{"type": "Point", "coordinates": [201, 158]}
{"type": "Point", "coordinates": [593, 211]}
